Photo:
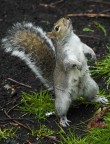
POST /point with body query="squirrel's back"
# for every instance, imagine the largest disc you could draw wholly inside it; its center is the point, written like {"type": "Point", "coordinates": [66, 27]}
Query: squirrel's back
{"type": "Point", "coordinates": [31, 44]}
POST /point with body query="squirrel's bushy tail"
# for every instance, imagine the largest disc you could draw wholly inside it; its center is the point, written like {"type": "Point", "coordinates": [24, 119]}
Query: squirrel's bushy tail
{"type": "Point", "coordinates": [31, 45]}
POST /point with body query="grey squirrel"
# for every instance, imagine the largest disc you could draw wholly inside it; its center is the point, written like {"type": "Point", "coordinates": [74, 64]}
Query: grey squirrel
{"type": "Point", "coordinates": [61, 67]}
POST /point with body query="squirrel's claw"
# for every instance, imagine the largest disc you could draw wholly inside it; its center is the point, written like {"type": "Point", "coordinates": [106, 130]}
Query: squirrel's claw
{"type": "Point", "coordinates": [93, 55]}
{"type": "Point", "coordinates": [64, 122]}
{"type": "Point", "coordinates": [100, 99]}
{"type": "Point", "coordinates": [79, 66]}
{"type": "Point", "coordinates": [103, 100]}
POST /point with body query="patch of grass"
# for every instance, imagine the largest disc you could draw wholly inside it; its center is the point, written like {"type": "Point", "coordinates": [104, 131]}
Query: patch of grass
{"type": "Point", "coordinates": [71, 139]}
{"type": "Point", "coordinates": [42, 132]}
{"type": "Point", "coordinates": [7, 133]}
{"type": "Point", "coordinates": [99, 136]}
{"type": "Point", "coordinates": [95, 136]}
{"type": "Point", "coordinates": [37, 103]}
{"type": "Point", "coordinates": [102, 69]}
{"type": "Point", "coordinates": [100, 27]}
{"type": "Point", "coordinates": [87, 29]}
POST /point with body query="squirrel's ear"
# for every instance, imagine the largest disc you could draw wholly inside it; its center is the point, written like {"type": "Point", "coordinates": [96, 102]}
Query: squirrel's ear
{"type": "Point", "coordinates": [50, 35]}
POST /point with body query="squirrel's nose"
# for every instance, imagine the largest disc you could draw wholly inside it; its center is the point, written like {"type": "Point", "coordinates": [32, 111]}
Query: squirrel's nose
{"type": "Point", "coordinates": [66, 17]}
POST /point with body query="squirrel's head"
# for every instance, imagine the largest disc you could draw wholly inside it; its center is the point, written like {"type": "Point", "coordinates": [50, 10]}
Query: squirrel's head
{"type": "Point", "coordinates": [62, 28]}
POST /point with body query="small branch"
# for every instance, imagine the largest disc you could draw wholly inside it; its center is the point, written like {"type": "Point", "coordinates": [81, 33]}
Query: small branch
{"type": "Point", "coordinates": [15, 99]}
{"type": "Point", "coordinates": [10, 119]}
{"type": "Point", "coordinates": [52, 5]}
{"type": "Point", "coordinates": [14, 107]}
{"type": "Point", "coordinates": [17, 122]}
{"type": "Point", "coordinates": [95, 38]}
{"type": "Point", "coordinates": [89, 37]}
{"type": "Point", "coordinates": [88, 15]}
{"type": "Point", "coordinates": [104, 11]}
{"type": "Point", "coordinates": [12, 80]}
{"type": "Point", "coordinates": [98, 1]}
{"type": "Point", "coordinates": [55, 3]}
{"type": "Point", "coordinates": [47, 5]}
{"type": "Point", "coordinates": [52, 138]}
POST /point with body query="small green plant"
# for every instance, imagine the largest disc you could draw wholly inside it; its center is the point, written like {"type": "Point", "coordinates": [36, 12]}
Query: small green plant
{"type": "Point", "coordinates": [72, 139]}
{"type": "Point", "coordinates": [101, 27]}
{"type": "Point", "coordinates": [86, 29]}
{"type": "Point", "coordinates": [102, 69]}
{"type": "Point", "coordinates": [7, 133]}
{"type": "Point", "coordinates": [42, 132]}
{"type": "Point", "coordinates": [37, 103]}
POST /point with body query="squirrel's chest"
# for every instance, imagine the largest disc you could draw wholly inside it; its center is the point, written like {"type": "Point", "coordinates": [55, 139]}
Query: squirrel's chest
{"type": "Point", "coordinates": [75, 84]}
{"type": "Point", "coordinates": [73, 78]}
{"type": "Point", "coordinates": [74, 49]}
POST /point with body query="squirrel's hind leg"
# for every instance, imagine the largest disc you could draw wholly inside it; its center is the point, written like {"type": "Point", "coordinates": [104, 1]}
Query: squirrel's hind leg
{"type": "Point", "coordinates": [62, 104]}
{"type": "Point", "coordinates": [91, 90]}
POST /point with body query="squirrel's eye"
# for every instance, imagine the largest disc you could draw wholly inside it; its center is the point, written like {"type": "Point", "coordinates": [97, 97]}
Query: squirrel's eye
{"type": "Point", "coordinates": [57, 28]}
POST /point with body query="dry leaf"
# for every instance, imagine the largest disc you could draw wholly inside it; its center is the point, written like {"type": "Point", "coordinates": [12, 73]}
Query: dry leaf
{"type": "Point", "coordinates": [97, 121]}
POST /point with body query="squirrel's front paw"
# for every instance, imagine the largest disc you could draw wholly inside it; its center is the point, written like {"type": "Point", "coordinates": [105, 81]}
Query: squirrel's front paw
{"type": "Point", "coordinates": [72, 64]}
{"type": "Point", "coordinates": [79, 66]}
{"type": "Point", "coordinates": [93, 56]}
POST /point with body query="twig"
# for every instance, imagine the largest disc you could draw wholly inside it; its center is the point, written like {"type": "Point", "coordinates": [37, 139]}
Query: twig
{"type": "Point", "coordinates": [47, 5]}
{"type": "Point", "coordinates": [52, 5]}
{"type": "Point", "coordinates": [104, 11]}
{"type": "Point", "coordinates": [98, 1]}
{"type": "Point", "coordinates": [52, 138]}
{"type": "Point", "coordinates": [17, 122]}
{"type": "Point", "coordinates": [95, 38]}
{"type": "Point", "coordinates": [89, 37]}
{"type": "Point", "coordinates": [14, 107]}
{"type": "Point", "coordinates": [26, 127]}
{"type": "Point", "coordinates": [10, 79]}
{"type": "Point", "coordinates": [10, 119]}
{"type": "Point", "coordinates": [12, 101]}
{"type": "Point", "coordinates": [55, 3]}
{"type": "Point", "coordinates": [88, 15]}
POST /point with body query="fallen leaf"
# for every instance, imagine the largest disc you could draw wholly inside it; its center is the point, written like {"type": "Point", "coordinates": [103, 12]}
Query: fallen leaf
{"type": "Point", "coordinates": [97, 121]}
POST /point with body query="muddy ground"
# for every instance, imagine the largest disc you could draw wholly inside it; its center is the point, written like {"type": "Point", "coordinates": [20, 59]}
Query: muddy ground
{"type": "Point", "coordinates": [44, 13]}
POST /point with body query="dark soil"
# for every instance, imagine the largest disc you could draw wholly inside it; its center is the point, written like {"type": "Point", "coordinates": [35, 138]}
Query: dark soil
{"type": "Point", "coordinates": [44, 14]}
